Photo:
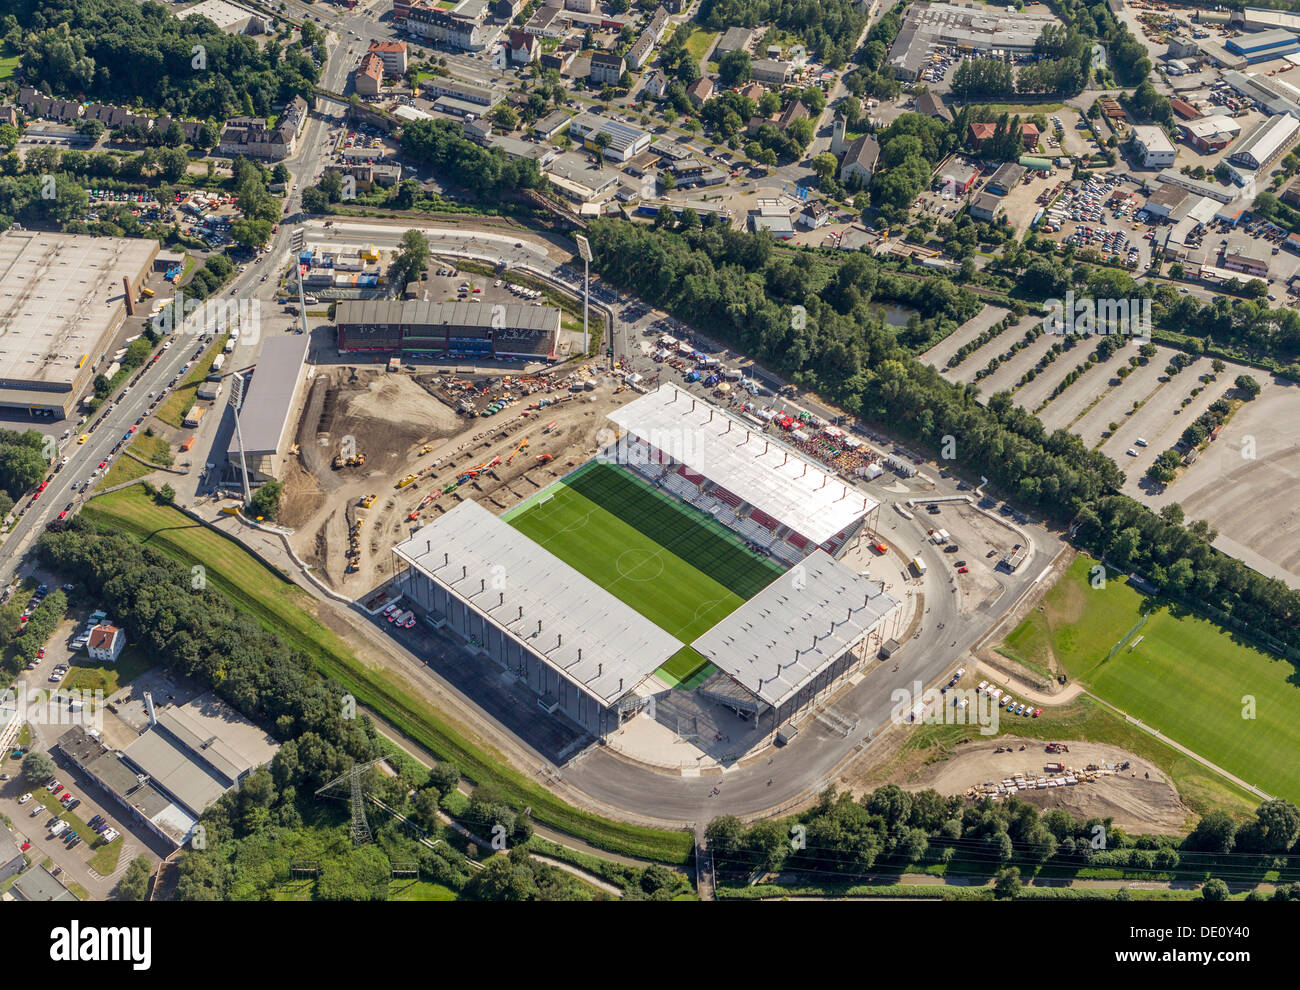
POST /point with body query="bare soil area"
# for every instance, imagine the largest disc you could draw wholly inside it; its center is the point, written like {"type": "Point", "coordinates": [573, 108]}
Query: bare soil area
{"type": "Point", "coordinates": [1139, 799]}
{"type": "Point", "coordinates": [408, 426]}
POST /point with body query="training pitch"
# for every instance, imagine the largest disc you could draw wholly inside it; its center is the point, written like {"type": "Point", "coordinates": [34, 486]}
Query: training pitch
{"type": "Point", "coordinates": [1215, 692]}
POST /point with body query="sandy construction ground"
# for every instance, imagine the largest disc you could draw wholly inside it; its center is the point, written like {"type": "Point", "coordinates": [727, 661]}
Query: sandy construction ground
{"type": "Point", "coordinates": [1137, 802]}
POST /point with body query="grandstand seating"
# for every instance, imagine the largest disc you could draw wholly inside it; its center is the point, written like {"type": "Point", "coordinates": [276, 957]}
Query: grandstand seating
{"type": "Point", "coordinates": [725, 496]}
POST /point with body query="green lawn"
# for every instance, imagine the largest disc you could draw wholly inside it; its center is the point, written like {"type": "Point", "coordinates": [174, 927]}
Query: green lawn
{"type": "Point", "coordinates": [280, 605]}
{"type": "Point", "coordinates": [1214, 692]}
{"type": "Point", "coordinates": [681, 572]}
{"type": "Point", "coordinates": [175, 406]}
{"type": "Point", "coordinates": [90, 675]}
{"type": "Point", "coordinates": [699, 43]}
{"type": "Point", "coordinates": [123, 469]}
{"type": "Point", "coordinates": [682, 666]}
{"type": "Point", "coordinates": [419, 890]}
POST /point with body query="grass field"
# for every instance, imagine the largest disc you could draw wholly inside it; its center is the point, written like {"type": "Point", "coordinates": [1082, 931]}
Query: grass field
{"type": "Point", "coordinates": [91, 675]}
{"type": "Point", "coordinates": [175, 406]}
{"type": "Point", "coordinates": [282, 606]}
{"type": "Point", "coordinates": [699, 43]}
{"type": "Point", "coordinates": [647, 550]}
{"type": "Point", "coordinates": [1226, 699]}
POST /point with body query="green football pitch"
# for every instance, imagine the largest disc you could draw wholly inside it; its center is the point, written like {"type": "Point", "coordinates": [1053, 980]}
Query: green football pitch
{"type": "Point", "coordinates": [1214, 692]}
{"type": "Point", "coordinates": [680, 569]}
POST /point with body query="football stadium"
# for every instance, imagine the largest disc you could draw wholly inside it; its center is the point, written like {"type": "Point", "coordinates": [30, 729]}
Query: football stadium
{"type": "Point", "coordinates": [692, 554]}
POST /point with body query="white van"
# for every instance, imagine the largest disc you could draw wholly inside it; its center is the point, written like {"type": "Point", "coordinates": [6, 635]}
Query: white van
{"type": "Point", "coordinates": [59, 827]}
{"type": "Point", "coordinates": [1140, 442]}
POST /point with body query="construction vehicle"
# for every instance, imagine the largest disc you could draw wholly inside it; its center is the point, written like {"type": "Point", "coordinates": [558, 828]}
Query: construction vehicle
{"type": "Point", "coordinates": [1057, 748]}
{"type": "Point", "coordinates": [550, 426]}
{"type": "Point", "coordinates": [408, 480]}
{"type": "Point", "coordinates": [522, 444]}
{"type": "Point", "coordinates": [1054, 767]}
{"type": "Point", "coordinates": [545, 458]}
{"type": "Point", "coordinates": [415, 513]}
{"type": "Point", "coordinates": [356, 460]}
{"type": "Point", "coordinates": [367, 501]}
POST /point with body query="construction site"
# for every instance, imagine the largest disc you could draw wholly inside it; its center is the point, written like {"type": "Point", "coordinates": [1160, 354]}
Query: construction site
{"type": "Point", "coordinates": [379, 453]}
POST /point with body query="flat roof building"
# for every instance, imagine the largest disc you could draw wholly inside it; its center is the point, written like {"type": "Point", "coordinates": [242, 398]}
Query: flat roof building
{"type": "Point", "coordinates": [580, 649]}
{"type": "Point", "coordinates": [794, 639]}
{"type": "Point", "coordinates": [147, 805]}
{"type": "Point", "coordinates": [62, 301]}
{"type": "Point", "coordinates": [423, 329]}
{"type": "Point", "coordinates": [198, 751]}
{"type": "Point", "coordinates": [265, 417]}
{"type": "Point", "coordinates": [1266, 142]}
{"type": "Point", "coordinates": [1264, 45]}
{"type": "Point", "coordinates": [972, 30]}
{"type": "Point", "coordinates": [1152, 147]}
{"type": "Point", "coordinates": [624, 141]}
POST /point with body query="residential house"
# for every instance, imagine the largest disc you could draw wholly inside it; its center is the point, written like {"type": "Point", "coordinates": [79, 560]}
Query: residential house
{"type": "Point", "coordinates": [106, 643]}
{"type": "Point", "coordinates": [656, 84]}
{"type": "Point", "coordinates": [859, 162]}
{"type": "Point", "coordinates": [606, 68]}
{"type": "Point", "coordinates": [699, 91]}
{"type": "Point", "coordinates": [369, 77]}
{"type": "Point", "coordinates": [524, 47]}
{"type": "Point", "coordinates": [394, 55]}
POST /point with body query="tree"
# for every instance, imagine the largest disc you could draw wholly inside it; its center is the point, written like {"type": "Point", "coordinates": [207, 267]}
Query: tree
{"type": "Point", "coordinates": [1214, 890]}
{"type": "Point", "coordinates": [37, 767]}
{"type": "Point", "coordinates": [1248, 385]}
{"type": "Point", "coordinates": [734, 69]}
{"type": "Point", "coordinates": [167, 494]}
{"type": "Point", "coordinates": [1007, 885]}
{"type": "Point", "coordinates": [250, 234]}
{"type": "Point", "coordinates": [1215, 833]}
{"type": "Point", "coordinates": [506, 116]}
{"type": "Point", "coordinates": [265, 503]}
{"type": "Point", "coordinates": [134, 885]}
{"type": "Point", "coordinates": [412, 257]}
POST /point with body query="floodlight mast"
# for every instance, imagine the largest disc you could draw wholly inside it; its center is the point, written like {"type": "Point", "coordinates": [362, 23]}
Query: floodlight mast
{"type": "Point", "coordinates": [584, 252]}
{"type": "Point", "coordinates": [236, 400]}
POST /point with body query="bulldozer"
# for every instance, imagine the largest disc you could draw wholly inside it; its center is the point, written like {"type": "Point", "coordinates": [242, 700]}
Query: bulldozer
{"type": "Point", "coordinates": [356, 460]}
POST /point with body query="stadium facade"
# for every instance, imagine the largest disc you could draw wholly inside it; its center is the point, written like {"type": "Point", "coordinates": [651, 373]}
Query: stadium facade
{"type": "Point", "coordinates": [587, 655]}
{"type": "Point", "coordinates": [419, 329]}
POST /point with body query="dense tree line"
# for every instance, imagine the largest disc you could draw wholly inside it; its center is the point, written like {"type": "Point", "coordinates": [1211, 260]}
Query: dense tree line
{"type": "Point", "coordinates": [890, 829]}
{"type": "Point", "coordinates": [1179, 559]}
{"type": "Point", "coordinates": [829, 28]}
{"type": "Point", "coordinates": [142, 54]}
{"type": "Point", "coordinates": [442, 145]}
{"type": "Point", "coordinates": [23, 463]}
{"type": "Point", "coordinates": [840, 347]}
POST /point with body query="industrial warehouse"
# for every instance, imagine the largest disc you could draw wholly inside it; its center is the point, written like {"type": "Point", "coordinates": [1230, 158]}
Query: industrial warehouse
{"type": "Point", "coordinates": [65, 297]}
{"type": "Point", "coordinates": [984, 31]}
{"type": "Point", "coordinates": [420, 329]}
{"type": "Point", "coordinates": [557, 593]}
{"type": "Point", "coordinates": [267, 404]}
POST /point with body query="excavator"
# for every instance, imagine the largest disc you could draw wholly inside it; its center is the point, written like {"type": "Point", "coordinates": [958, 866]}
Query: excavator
{"type": "Point", "coordinates": [522, 444]}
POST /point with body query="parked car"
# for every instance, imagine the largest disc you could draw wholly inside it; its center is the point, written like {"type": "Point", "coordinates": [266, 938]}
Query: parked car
{"type": "Point", "coordinates": [25, 798]}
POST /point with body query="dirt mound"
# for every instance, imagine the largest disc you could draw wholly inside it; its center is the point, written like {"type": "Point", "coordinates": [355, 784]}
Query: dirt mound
{"type": "Point", "coordinates": [1139, 799]}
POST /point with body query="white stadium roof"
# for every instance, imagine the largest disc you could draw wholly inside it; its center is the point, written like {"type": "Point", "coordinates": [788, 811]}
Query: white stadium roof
{"type": "Point", "coordinates": [783, 636]}
{"type": "Point", "coordinates": [747, 462]}
{"type": "Point", "coordinates": [617, 644]}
